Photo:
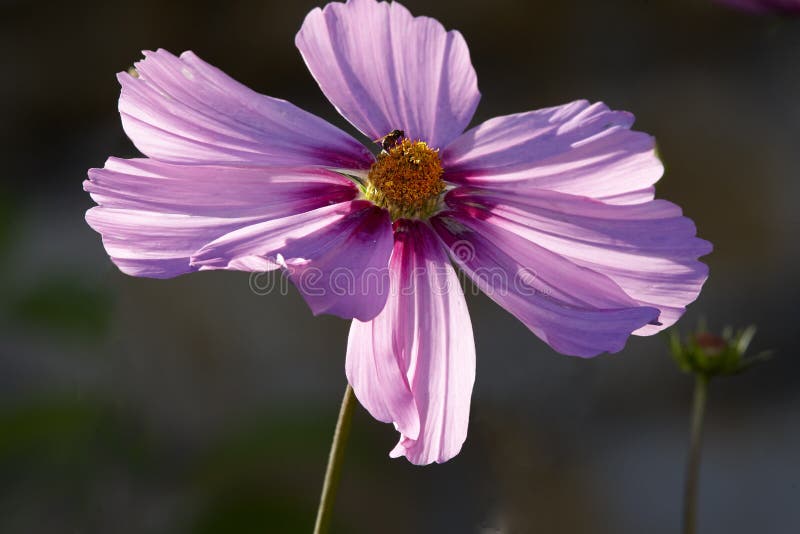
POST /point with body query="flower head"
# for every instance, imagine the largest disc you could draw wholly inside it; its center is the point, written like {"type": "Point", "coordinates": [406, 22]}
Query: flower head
{"type": "Point", "coordinates": [406, 180]}
{"type": "Point", "coordinates": [550, 212]}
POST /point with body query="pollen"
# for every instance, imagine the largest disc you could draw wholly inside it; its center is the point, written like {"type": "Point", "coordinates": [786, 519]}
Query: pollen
{"type": "Point", "coordinates": [406, 179]}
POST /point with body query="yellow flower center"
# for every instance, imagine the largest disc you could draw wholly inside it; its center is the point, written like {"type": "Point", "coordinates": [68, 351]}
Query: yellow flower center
{"type": "Point", "coordinates": [406, 179]}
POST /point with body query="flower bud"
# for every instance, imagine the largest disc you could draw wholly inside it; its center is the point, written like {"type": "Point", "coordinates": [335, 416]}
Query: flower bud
{"type": "Point", "coordinates": [710, 355]}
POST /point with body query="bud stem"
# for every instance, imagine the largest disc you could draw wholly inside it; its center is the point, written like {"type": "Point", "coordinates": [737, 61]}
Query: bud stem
{"type": "Point", "coordinates": [693, 461]}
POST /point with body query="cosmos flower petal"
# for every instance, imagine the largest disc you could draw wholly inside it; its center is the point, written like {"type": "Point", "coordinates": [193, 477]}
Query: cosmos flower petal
{"type": "Point", "coordinates": [578, 148]}
{"type": "Point", "coordinates": [384, 69]}
{"type": "Point", "coordinates": [215, 191]}
{"type": "Point", "coordinates": [576, 311]}
{"type": "Point", "coordinates": [650, 250]}
{"type": "Point", "coordinates": [336, 255]}
{"type": "Point", "coordinates": [155, 244]}
{"type": "Point", "coordinates": [153, 216]}
{"type": "Point", "coordinates": [183, 110]}
{"type": "Point", "coordinates": [425, 329]}
{"type": "Point", "coordinates": [378, 375]}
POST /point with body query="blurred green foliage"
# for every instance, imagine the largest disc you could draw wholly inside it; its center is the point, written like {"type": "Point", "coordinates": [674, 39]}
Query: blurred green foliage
{"type": "Point", "coordinates": [69, 444]}
{"type": "Point", "coordinates": [6, 217]}
{"type": "Point", "coordinates": [65, 305]}
{"type": "Point", "coordinates": [64, 435]}
{"type": "Point", "coordinates": [62, 302]}
{"type": "Point", "coordinates": [236, 476]}
{"type": "Point", "coordinates": [254, 511]}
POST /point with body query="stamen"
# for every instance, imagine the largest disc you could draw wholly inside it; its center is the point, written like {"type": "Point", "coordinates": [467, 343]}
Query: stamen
{"type": "Point", "coordinates": [406, 179]}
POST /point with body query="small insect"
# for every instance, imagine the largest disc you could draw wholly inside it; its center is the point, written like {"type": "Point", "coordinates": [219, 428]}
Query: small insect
{"type": "Point", "coordinates": [391, 139]}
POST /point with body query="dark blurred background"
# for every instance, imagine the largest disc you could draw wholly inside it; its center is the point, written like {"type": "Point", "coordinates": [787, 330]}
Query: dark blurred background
{"type": "Point", "coordinates": [192, 405]}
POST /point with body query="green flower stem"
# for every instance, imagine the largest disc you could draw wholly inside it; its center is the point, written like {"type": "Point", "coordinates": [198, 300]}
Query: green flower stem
{"type": "Point", "coordinates": [335, 460]}
{"type": "Point", "coordinates": [695, 446]}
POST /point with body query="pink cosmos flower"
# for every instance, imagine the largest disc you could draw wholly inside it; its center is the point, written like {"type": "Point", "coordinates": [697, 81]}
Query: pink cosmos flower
{"type": "Point", "coordinates": [765, 6]}
{"type": "Point", "coordinates": [550, 212]}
